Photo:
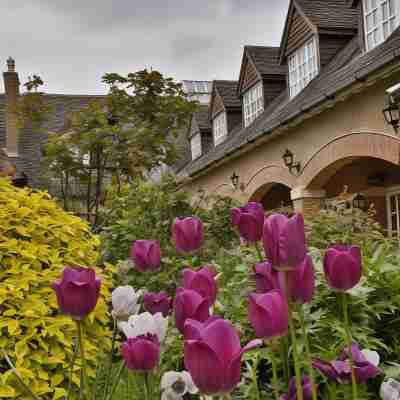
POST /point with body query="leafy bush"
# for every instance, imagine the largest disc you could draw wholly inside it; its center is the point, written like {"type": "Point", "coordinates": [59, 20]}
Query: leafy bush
{"type": "Point", "coordinates": [37, 239]}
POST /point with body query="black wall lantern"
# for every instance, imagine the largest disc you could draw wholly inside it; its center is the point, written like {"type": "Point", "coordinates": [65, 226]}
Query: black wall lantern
{"type": "Point", "coordinates": [288, 159]}
{"type": "Point", "coordinates": [235, 180]}
{"type": "Point", "coordinates": [392, 111]}
{"type": "Point", "coordinates": [392, 116]}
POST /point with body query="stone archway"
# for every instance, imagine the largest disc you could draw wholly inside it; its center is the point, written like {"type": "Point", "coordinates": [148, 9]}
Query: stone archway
{"type": "Point", "coordinates": [344, 150]}
{"type": "Point", "coordinates": [366, 162]}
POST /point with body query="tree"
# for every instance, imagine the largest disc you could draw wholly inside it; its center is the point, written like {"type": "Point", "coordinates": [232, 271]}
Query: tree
{"type": "Point", "coordinates": [116, 140]}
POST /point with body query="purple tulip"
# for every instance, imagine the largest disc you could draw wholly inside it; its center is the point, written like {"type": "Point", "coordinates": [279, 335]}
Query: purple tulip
{"type": "Point", "coordinates": [343, 267]}
{"type": "Point", "coordinates": [292, 393]}
{"type": "Point", "coordinates": [266, 277]}
{"type": "Point", "coordinates": [301, 281]}
{"type": "Point", "coordinates": [77, 291]}
{"type": "Point", "coordinates": [214, 358]}
{"type": "Point", "coordinates": [146, 255]}
{"type": "Point", "coordinates": [157, 302]}
{"type": "Point", "coordinates": [192, 329]}
{"type": "Point", "coordinates": [284, 240]}
{"type": "Point", "coordinates": [189, 304]}
{"type": "Point", "coordinates": [250, 221]}
{"type": "Point", "coordinates": [141, 353]}
{"type": "Point", "coordinates": [268, 314]}
{"type": "Point", "coordinates": [339, 370]}
{"type": "Point", "coordinates": [187, 234]}
{"type": "Point", "coordinates": [202, 282]}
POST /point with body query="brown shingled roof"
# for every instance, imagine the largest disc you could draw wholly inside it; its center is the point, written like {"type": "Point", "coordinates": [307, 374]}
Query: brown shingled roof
{"type": "Point", "coordinates": [330, 14]}
{"type": "Point", "coordinates": [266, 59]}
{"type": "Point", "coordinates": [346, 69]}
{"type": "Point", "coordinates": [228, 92]}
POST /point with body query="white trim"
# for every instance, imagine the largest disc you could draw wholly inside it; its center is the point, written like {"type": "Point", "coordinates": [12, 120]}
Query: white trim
{"type": "Point", "coordinates": [220, 129]}
{"type": "Point", "coordinates": [253, 103]}
{"type": "Point", "coordinates": [393, 193]}
{"type": "Point", "coordinates": [381, 18]}
{"type": "Point", "coordinates": [303, 193]}
{"type": "Point", "coordinates": [303, 67]}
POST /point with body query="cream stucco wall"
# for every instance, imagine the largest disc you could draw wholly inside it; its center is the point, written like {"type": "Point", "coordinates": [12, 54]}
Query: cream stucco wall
{"type": "Point", "coordinates": [360, 112]}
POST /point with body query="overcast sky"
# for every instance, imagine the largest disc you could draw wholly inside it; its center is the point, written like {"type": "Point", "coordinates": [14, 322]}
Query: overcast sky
{"type": "Point", "coordinates": [72, 43]}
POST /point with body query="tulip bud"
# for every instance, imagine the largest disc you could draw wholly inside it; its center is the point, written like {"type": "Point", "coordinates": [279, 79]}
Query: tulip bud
{"type": "Point", "coordinates": [141, 353]}
{"type": "Point", "coordinates": [266, 277]}
{"type": "Point", "coordinates": [125, 302]}
{"type": "Point", "coordinates": [250, 221]}
{"type": "Point", "coordinates": [202, 282]}
{"type": "Point", "coordinates": [342, 267]}
{"type": "Point", "coordinates": [284, 240]}
{"type": "Point", "coordinates": [187, 234]}
{"type": "Point", "coordinates": [146, 255]}
{"type": "Point", "coordinates": [268, 314]}
{"type": "Point", "coordinates": [157, 302]}
{"type": "Point", "coordinates": [189, 304]}
{"type": "Point", "coordinates": [214, 357]}
{"type": "Point", "coordinates": [301, 281]}
{"type": "Point", "coordinates": [77, 292]}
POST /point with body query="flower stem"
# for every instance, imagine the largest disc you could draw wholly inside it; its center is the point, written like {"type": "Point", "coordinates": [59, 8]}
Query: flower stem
{"type": "Point", "coordinates": [110, 363]}
{"type": "Point", "coordinates": [284, 357]}
{"type": "Point", "coordinates": [116, 381]}
{"type": "Point", "coordinates": [83, 360]}
{"type": "Point", "coordinates": [332, 391]}
{"type": "Point", "coordinates": [274, 375]}
{"type": "Point", "coordinates": [299, 388]}
{"type": "Point", "coordinates": [349, 345]}
{"type": "Point", "coordinates": [308, 353]}
{"type": "Point", "coordinates": [260, 256]}
{"type": "Point", "coordinates": [147, 386]}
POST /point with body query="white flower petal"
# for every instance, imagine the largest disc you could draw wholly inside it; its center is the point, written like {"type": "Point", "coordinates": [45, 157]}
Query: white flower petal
{"type": "Point", "coordinates": [161, 326]}
{"type": "Point", "coordinates": [124, 301]}
{"type": "Point", "coordinates": [371, 356]}
{"type": "Point", "coordinates": [190, 386]}
{"type": "Point", "coordinates": [390, 390]}
{"type": "Point", "coordinates": [169, 378]}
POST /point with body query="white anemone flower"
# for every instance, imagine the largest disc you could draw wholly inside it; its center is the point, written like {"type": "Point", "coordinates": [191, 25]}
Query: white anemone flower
{"type": "Point", "coordinates": [145, 323]}
{"type": "Point", "coordinates": [390, 390]}
{"type": "Point", "coordinates": [174, 385]}
{"type": "Point", "coordinates": [125, 302]}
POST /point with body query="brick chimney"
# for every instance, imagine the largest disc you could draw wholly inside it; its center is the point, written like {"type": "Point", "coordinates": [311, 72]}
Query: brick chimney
{"type": "Point", "coordinates": [11, 85]}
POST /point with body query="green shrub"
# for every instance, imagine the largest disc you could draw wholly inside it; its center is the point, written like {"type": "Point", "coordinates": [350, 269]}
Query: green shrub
{"type": "Point", "coordinates": [37, 239]}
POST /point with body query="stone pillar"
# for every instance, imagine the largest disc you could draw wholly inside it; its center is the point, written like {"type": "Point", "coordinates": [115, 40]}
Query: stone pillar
{"type": "Point", "coordinates": [11, 85]}
{"type": "Point", "coordinates": [307, 202]}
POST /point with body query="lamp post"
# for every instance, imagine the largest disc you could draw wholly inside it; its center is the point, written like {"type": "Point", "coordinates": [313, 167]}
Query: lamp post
{"type": "Point", "coordinates": [288, 159]}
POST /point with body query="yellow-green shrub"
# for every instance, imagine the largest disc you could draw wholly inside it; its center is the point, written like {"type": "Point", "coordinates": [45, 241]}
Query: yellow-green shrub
{"type": "Point", "coordinates": [37, 239]}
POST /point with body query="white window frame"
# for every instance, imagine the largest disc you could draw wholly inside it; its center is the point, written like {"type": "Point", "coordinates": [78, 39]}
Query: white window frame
{"type": "Point", "coordinates": [220, 128]}
{"type": "Point", "coordinates": [379, 21]}
{"type": "Point", "coordinates": [195, 146]}
{"type": "Point", "coordinates": [393, 192]}
{"type": "Point", "coordinates": [253, 103]}
{"type": "Point", "coordinates": [303, 67]}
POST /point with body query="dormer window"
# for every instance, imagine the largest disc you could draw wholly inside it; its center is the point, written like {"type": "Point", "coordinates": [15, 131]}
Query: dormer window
{"type": "Point", "coordinates": [220, 130]}
{"type": "Point", "coordinates": [303, 67]}
{"type": "Point", "coordinates": [195, 145]}
{"type": "Point", "coordinates": [381, 18]}
{"type": "Point", "coordinates": [253, 103]}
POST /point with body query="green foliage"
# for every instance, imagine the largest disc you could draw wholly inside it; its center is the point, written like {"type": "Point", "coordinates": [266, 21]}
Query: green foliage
{"type": "Point", "coordinates": [37, 239]}
{"type": "Point", "coordinates": [121, 138]}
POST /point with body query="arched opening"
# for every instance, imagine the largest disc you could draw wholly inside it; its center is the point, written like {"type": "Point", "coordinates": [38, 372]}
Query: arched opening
{"type": "Point", "coordinates": [376, 179]}
{"type": "Point", "coordinates": [273, 196]}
